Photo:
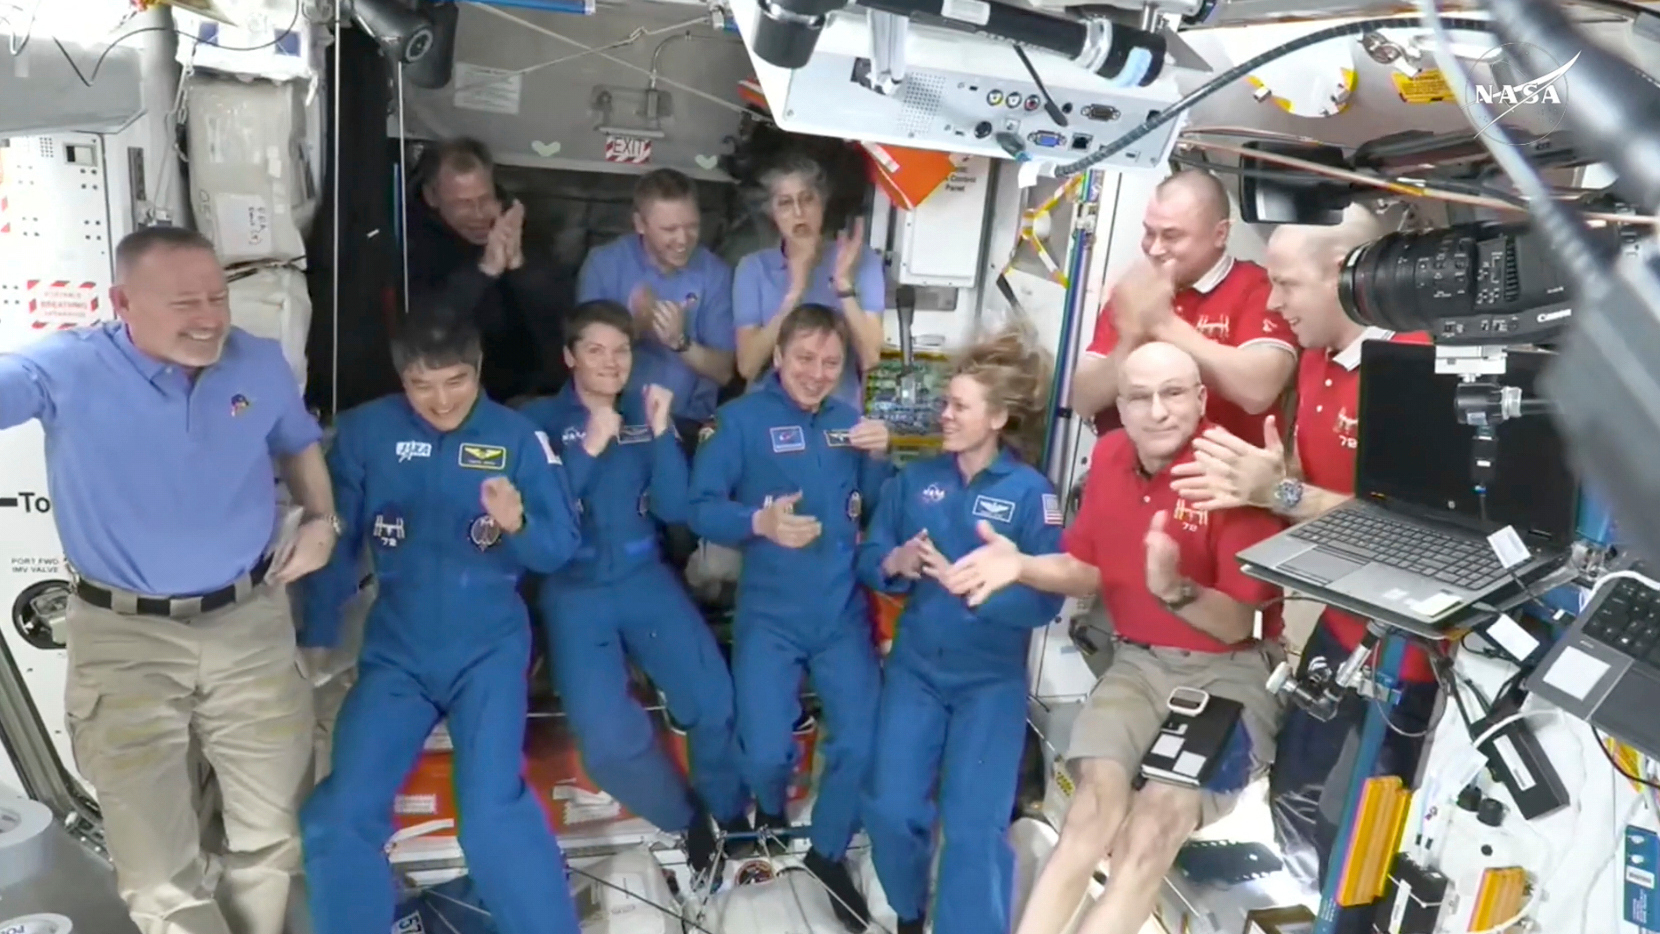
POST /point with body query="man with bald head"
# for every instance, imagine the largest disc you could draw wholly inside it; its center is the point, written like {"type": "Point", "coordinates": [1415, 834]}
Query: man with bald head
{"type": "Point", "coordinates": [1185, 617]}
{"type": "Point", "coordinates": [1304, 264]}
{"type": "Point", "coordinates": [1189, 292]}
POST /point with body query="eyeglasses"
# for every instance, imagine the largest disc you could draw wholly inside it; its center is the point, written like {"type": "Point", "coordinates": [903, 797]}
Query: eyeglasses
{"type": "Point", "coordinates": [1169, 395]}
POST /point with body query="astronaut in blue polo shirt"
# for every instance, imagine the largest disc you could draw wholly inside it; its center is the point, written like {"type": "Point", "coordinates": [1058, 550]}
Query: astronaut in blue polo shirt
{"type": "Point", "coordinates": [618, 600]}
{"type": "Point", "coordinates": [840, 273]}
{"type": "Point", "coordinates": [786, 476]}
{"type": "Point", "coordinates": [457, 496]}
{"type": "Point", "coordinates": [679, 293]}
{"type": "Point", "coordinates": [952, 727]}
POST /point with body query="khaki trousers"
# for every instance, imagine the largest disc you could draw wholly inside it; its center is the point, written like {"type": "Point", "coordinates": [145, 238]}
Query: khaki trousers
{"type": "Point", "coordinates": [140, 690]}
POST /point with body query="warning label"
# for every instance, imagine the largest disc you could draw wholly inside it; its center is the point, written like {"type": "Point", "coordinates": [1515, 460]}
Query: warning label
{"type": "Point", "coordinates": [1429, 87]}
{"type": "Point", "coordinates": [57, 305]}
{"type": "Point", "coordinates": [40, 567]}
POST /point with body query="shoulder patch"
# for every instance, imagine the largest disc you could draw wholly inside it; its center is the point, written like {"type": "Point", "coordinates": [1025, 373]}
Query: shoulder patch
{"type": "Point", "coordinates": [1052, 509]}
{"type": "Point", "coordinates": [547, 447]}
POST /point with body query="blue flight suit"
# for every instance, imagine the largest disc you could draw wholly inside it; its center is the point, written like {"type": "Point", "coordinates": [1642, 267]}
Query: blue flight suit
{"type": "Point", "coordinates": [798, 608]}
{"type": "Point", "coordinates": [448, 637]}
{"type": "Point", "coordinates": [953, 712]}
{"type": "Point", "coordinates": [762, 280]}
{"type": "Point", "coordinates": [616, 596]}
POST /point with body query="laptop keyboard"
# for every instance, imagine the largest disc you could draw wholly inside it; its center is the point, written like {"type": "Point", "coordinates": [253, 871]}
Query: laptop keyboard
{"type": "Point", "coordinates": [1629, 620]}
{"type": "Point", "coordinates": [1368, 535]}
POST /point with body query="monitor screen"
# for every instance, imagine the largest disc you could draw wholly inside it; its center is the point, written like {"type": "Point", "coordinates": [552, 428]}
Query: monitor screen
{"type": "Point", "coordinates": [1414, 452]}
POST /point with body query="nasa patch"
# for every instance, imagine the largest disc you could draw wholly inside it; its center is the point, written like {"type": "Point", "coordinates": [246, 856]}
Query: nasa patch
{"type": "Point", "coordinates": [933, 493]}
{"type": "Point", "coordinates": [484, 532]}
{"type": "Point", "coordinates": [855, 505]}
{"type": "Point", "coordinates": [572, 435]}
{"type": "Point", "coordinates": [388, 531]}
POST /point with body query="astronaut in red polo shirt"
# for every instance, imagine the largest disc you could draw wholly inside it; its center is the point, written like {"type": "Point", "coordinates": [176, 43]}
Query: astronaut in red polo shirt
{"type": "Point", "coordinates": [1185, 616]}
{"type": "Point", "coordinates": [1189, 292]}
{"type": "Point", "coordinates": [1318, 474]}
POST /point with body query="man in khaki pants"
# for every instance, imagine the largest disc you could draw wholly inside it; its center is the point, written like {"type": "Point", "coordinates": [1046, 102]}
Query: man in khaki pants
{"type": "Point", "coordinates": [161, 433]}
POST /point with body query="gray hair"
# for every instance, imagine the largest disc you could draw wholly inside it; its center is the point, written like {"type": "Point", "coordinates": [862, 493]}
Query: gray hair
{"type": "Point", "coordinates": [796, 164]}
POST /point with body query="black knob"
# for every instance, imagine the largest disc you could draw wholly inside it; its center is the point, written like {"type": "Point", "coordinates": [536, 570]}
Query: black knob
{"type": "Point", "coordinates": [1470, 798]}
{"type": "Point", "coordinates": [1491, 812]}
{"type": "Point", "coordinates": [982, 129]}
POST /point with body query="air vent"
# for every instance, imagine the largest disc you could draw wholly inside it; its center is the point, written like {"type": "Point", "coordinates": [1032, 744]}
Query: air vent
{"type": "Point", "coordinates": [922, 98]}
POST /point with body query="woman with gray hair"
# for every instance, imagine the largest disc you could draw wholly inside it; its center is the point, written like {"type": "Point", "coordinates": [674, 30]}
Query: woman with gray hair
{"type": "Point", "coordinates": [806, 268]}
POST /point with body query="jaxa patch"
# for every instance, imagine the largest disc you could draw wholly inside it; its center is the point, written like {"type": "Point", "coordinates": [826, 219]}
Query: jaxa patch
{"type": "Point", "coordinates": [1052, 509]}
{"type": "Point", "coordinates": [933, 493]}
{"type": "Point", "coordinates": [839, 438]}
{"type": "Point", "coordinates": [483, 457]}
{"type": "Point", "coordinates": [409, 450]}
{"type": "Point", "coordinates": [645, 502]}
{"type": "Point", "coordinates": [484, 532]}
{"type": "Point", "coordinates": [547, 447]}
{"type": "Point", "coordinates": [633, 434]}
{"type": "Point", "coordinates": [855, 505]}
{"type": "Point", "coordinates": [997, 510]}
{"type": "Point", "coordinates": [788, 439]}
{"type": "Point", "coordinates": [388, 531]}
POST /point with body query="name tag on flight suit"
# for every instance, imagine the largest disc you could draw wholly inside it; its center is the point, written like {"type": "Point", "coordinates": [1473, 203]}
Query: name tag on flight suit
{"type": "Point", "coordinates": [483, 457]}
{"type": "Point", "coordinates": [997, 510]}
{"type": "Point", "coordinates": [839, 438]}
{"type": "Point", "coordinates": [633, 434]}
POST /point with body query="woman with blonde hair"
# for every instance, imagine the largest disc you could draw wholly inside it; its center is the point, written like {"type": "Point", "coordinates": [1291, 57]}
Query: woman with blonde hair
{"type": "Point", "coordinates": [952, 724]}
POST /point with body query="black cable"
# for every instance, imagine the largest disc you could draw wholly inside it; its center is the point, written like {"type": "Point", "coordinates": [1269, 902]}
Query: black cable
{"type": "Point", "coordinates": [111, 47]}
{"type": "Point", "coordinates": [1602, 744]}
{"type": "Point", "coordinates": [1233, 74]}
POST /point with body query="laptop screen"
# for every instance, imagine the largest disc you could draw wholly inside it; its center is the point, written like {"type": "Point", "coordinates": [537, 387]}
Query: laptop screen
{"type": "Point", "coordinates": [1414, 452]}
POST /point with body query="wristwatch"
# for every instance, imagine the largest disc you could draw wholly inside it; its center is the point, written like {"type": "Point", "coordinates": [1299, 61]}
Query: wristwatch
{"type": "Point", "coordinates": [849, 292]}
{"type": "Point", "coordinates": [681, 345]}
{"type": "Point", "coordinates": [1186, 594]}
{"type": "Point", "coordinates": [1287, 494]}
{"type": "Point", "coordinates": [333, 521]}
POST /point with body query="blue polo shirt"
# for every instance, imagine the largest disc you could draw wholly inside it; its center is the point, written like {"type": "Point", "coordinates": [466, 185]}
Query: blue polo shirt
{"type": "Point", "coordinates": [159, 486]}
{"type": "Point", "coordinates": [763, 279]}
{"type": "Point", "coordinates": [704, 286]}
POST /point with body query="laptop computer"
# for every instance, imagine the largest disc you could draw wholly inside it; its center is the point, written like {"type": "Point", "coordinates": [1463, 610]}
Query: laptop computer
{"type": "Point", "coordinates": [1411, 546]}
{"type": "Point", "coordinates": [1605, 669]}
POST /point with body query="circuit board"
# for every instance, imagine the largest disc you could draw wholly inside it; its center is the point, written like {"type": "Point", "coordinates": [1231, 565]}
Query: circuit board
{"type": "Point", "coordinates": [914, 425]}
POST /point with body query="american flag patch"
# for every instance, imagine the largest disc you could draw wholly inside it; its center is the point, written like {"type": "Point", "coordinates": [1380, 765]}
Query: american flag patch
{"type": "Point", "coordinates": [1051, 509]}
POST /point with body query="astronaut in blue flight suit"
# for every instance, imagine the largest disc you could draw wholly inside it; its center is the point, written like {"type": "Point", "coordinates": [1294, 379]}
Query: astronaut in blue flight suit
{"type": "Point", "coordinates": [953, 711]}
{"type": "Point", "coordinates": [785, 477]}
{"type": "Point", "coordinates": [457, 497]}
{"type": "Point", "coordinates": [617, 599]}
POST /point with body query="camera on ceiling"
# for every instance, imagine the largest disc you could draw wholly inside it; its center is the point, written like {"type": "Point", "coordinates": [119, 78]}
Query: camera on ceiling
{"type": "Point", "coordinates": [404, 33]}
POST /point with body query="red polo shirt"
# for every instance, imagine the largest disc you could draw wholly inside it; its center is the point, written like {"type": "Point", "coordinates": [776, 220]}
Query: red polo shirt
{"type": "Point", "coordinates": [1328, 408]}
{"type": "Point", "coordinates": [1110, 532]}
{"type": "Point", "coordinates": [1229, 305]}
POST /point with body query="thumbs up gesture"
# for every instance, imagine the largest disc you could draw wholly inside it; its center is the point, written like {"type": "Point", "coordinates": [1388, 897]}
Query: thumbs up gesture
{"type": "Point", "coordinates": [1227, 471]}
{"type": "Point", "coordinates": [1164, 557]}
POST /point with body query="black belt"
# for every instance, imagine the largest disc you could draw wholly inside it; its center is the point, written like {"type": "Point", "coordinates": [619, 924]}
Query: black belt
{"type": "Point", "coordinates": [104, 598]}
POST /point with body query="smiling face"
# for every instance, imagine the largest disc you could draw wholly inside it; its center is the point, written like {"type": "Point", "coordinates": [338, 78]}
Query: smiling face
{"type": "Point", "coordinates": [1184, 231]}
{"type": "Point", "coordinates": [810, 366]}
{"type": "Point", "coordinates": [969, 421]}
{"type": "Point", "coordinates": [1304, 290]}
{"type": "Point", "coordinates": [669, 230]}
{"type": "Point", "coordinates": [1160, 400]}
{"type": "Point", "coordinates": [176, 305]}
{"type": "Point", "coordinates": [600, 359]}
{"type": "Point", "coordinates": [444, 395]}
{"type": "Point", "coordinates": [466, 201]}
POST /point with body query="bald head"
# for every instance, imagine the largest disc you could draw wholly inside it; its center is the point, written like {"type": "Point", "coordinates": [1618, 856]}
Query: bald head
{"type": "Point", "coordinates": [1154, 364]}
{"type": "Point", "coordinates": [1324, 246]}
{"type": "Point", "coordinates": [1202, 190]}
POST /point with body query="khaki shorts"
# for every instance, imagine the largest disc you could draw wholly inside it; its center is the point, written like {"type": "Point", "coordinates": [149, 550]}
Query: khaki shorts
{"type": "Point", "coordinates": [1123, 714]}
